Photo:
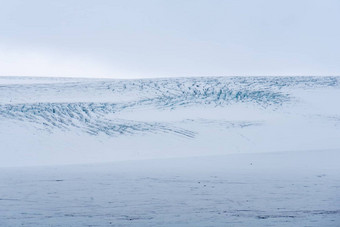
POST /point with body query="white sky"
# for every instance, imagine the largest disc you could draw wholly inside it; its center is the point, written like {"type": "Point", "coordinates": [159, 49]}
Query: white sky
{"type": "Point", "coordinates": [133, 39]}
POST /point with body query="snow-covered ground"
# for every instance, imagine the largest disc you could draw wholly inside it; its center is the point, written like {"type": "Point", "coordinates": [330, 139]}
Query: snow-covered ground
{"type": "Point", "coordinates": [238, 151]}
{"type": "Point", "coordinates": [264, 189]}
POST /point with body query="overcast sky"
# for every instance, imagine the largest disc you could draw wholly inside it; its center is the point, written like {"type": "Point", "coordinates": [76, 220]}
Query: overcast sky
{"type": "Point", "coordinates": [144, 38]}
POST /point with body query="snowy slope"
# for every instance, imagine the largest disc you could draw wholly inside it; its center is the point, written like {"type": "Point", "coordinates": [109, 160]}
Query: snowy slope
{"type": "Point", "coordinates": [65, 121]}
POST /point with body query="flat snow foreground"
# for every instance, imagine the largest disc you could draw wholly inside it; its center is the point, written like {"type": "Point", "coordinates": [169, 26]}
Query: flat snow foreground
{"type": "Point", "coordinates": [268, 189]}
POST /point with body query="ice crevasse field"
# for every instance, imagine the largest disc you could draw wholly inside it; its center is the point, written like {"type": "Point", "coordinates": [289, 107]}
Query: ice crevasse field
{"type": "Point", "coordinates": [207, 151]}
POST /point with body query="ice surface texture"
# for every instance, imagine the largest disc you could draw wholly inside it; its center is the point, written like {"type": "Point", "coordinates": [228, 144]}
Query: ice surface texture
{"type": "Point", "coordinates": [111, 120]}
{"type": "Point", "coordinates": [86, 104]}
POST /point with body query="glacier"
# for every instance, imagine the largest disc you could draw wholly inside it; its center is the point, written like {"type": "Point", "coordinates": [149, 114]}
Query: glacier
{"type": "Point", "coordinates": [198, 151]}
{"type": "Point", "coordinates": [101, 120]}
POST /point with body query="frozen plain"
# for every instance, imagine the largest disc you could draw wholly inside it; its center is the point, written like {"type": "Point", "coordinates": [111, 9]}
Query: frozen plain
{"type": "Point", "coordinates": [170, 152]}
